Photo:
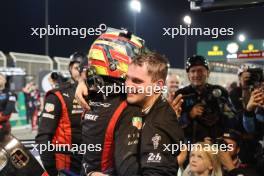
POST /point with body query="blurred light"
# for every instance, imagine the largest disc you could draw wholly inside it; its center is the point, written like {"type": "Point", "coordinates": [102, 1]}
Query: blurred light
{"type": "Point", "coordinates": [135, 5]}
{"type": "Point", "coordinates": [241, 37]}
{"type": "Point", "coordinates": [232, 48]}
{"type": "Point", "coordinates": [187, 19]}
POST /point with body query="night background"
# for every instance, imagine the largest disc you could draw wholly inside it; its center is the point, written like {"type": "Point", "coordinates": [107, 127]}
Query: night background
{"type": "Point", "coordinates": [18, 16]}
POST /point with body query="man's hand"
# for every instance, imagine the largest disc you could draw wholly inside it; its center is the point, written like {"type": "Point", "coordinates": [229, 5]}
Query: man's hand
{"type": "Point", "coordinates": [82, 91]}
{"type": "Point", "coordinates": [182, 157]}
{"type": "Point", "coordinates": [256, 99]}
{"type": "Point", "coordinates": [176, 105]}
{"type": "Point", "coordinates": [197, 110]}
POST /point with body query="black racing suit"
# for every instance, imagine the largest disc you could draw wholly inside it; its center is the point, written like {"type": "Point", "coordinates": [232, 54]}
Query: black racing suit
{"type": "Point", "coordinates": [94, 126]}
{"type": "Point", "coordinates": [218, 113]}
{"type": "Point", "coordinates": [7, 106]}
{"type": "Point", "coordinates": [143, 141]}
{"type": "Point", "coordinates": [60, 123]}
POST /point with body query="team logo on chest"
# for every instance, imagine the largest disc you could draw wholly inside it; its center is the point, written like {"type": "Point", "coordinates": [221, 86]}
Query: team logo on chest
{"type": "Point", "coordinates": [156, 139]}
{"type": "Point", "coordinates": [137, 122]}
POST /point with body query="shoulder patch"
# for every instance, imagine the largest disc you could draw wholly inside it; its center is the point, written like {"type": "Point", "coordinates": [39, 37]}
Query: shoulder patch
{"type": "Point", "coordinates": [137, 122]}
{"type": "Point", "coordinates": [49, 107]}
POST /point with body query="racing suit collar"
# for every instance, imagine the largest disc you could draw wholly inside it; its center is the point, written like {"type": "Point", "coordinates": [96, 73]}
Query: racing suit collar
{"type": "Point", "coordinates": [157, 104]}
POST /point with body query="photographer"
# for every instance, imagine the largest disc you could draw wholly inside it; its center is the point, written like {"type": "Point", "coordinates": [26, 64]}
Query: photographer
{"type": "Point", "coordinates": [232, 164]}
{"type": "Point", "coordinates": [253, 122]}
{"type": "Point", "coordinates": [206, 108]}
{"type": "Point", "coordinates": [246, 98]}
{"type": "Point", "coordinates": [60, 123]}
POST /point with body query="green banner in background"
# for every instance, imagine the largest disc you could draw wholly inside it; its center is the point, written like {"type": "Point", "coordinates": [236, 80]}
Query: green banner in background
{"type": "Point", "coordinates": [232, 51]}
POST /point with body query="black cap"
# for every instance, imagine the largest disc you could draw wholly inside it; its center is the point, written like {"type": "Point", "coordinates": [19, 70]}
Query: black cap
{"type": "Point", "coordinates": [196, 60]}
{"type": "Point", "coordinates": [233, 135]}
{"type": "Point", "coordinates": [79, 58]}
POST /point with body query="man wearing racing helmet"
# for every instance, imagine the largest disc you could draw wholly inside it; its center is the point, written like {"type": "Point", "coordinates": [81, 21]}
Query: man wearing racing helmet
{"type": "Point", "coordinates": [60, 124]}
{"type": "Point", "coordinates": [206, 107]}
{"type": "Point", "coordinates": [109, 57]}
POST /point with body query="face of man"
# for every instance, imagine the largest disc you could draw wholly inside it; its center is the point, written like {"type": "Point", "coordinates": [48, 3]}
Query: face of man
{"type": "Point", "coordinates": [198, 75]}
{"type": "Point", "coordinates": [173, 83]}
{"type": "Point", "coordinates": [244, 77]}
{"type": "Point", "coordinates": [139, 85]}
{"type": "Point", "coordinates": [235, 148]}
{"type": "Point", "coordinates": [74, 70]}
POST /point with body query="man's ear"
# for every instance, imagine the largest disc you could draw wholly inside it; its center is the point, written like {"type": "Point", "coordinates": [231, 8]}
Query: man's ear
{"type": "Point", "coordinates": [160, 83]}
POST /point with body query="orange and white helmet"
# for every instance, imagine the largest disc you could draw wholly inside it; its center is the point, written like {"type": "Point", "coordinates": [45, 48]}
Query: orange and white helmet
{"type": "Point", "coordinates": [112, 51]}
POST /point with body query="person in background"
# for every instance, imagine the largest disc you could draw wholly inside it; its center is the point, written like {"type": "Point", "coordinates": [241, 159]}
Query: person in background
{"type": "Point", "coordinates": [203, 161]}
{"type": "Point", "coordinates": [245, 101]}
{"type": "Point", "coordinates": [32, 99]}
{"type": "Point", "coordinates": [60, 124]}
{"type": "Point", "coordinates": [7, 106]}
{"type": "Point", "coordinates": [172, 84]}
{"type": "Point", "coordinates": [206, 110]}
{"type": "Point", "coordinates": [253, 122]}
{"type": "Point", "coordinates": [232, 164]}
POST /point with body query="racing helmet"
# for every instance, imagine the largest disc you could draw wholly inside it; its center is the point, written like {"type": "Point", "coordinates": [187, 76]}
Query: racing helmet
{"type": "Point", "coordinates": [112, 51]}
{"type": "Point", "coordinates": [196, 60]}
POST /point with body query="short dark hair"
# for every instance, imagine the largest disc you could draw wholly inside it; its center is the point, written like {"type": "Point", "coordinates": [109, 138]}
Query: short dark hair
{"type": "Point", "coordinates": [157, 64]}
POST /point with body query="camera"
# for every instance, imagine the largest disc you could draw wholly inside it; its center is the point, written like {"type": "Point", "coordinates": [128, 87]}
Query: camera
{"type": "Point", "coordinates": [214, 104]}
{"type": "Point", "coordinates": [255, 78]}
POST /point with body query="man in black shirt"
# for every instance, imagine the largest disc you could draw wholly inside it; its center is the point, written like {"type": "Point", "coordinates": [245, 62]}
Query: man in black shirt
{"type": "Point", "coordinates": [60, 124]}
{"type": "Point", "coordinates": [207, 111]}
{"type": "Point", "coordinates": [148, 127]}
